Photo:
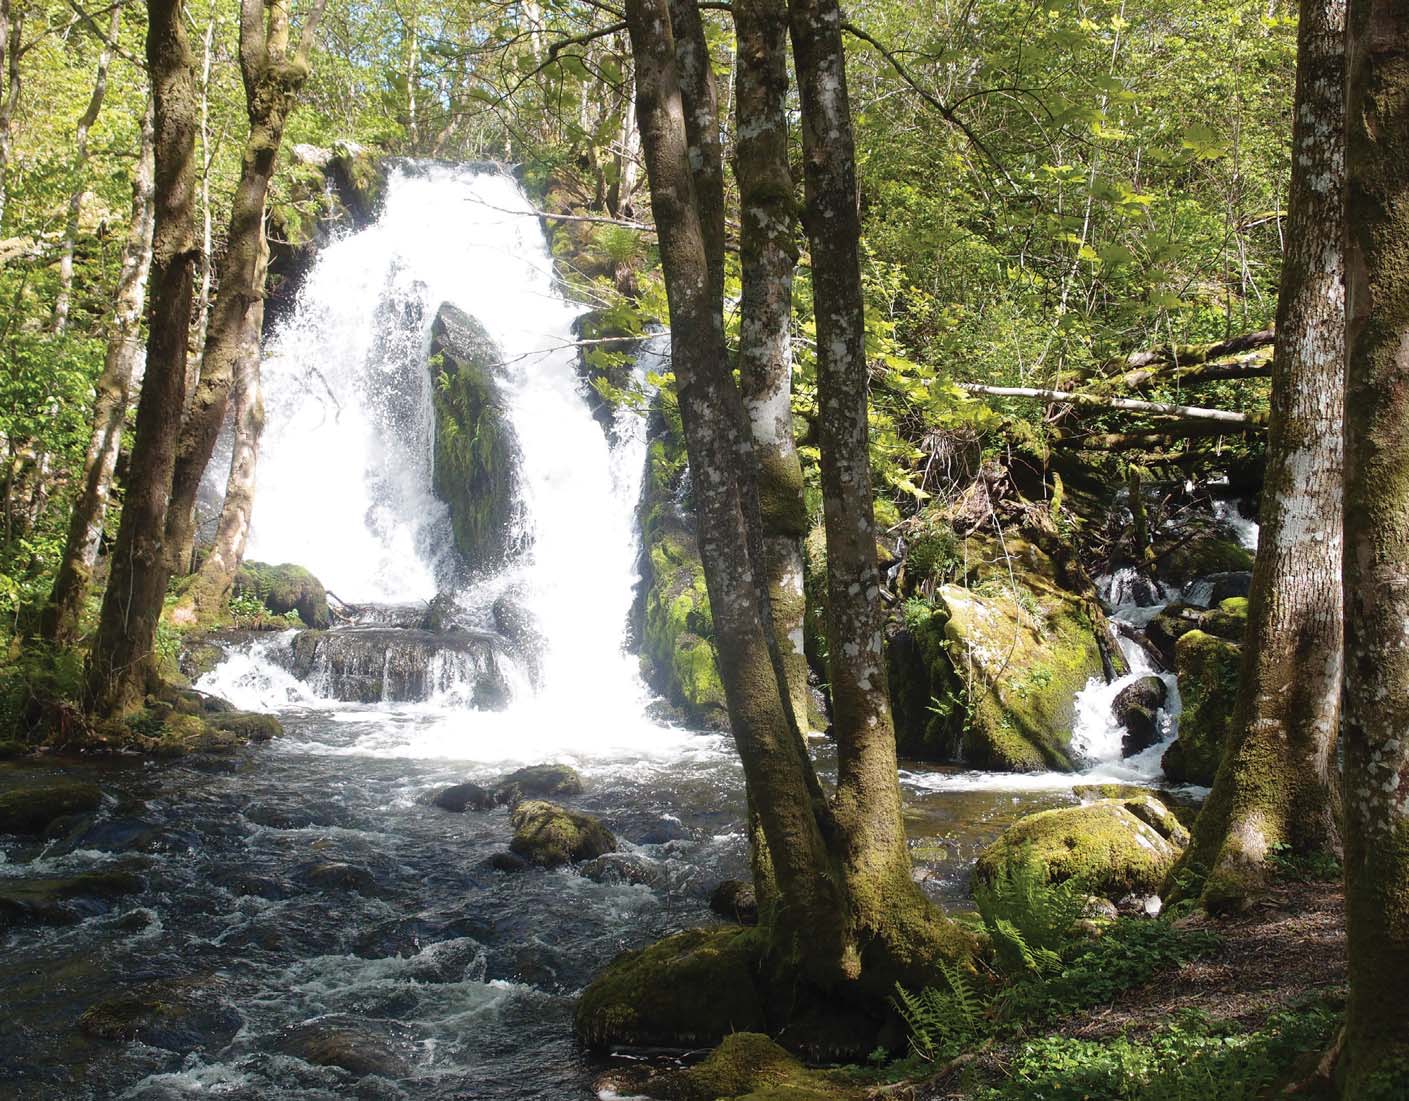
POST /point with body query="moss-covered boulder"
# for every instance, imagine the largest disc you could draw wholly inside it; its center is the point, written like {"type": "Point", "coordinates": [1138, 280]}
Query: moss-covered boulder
{"type": "Point", "coordinates": [1112, 846]}
{"type": "Point", "coordinates": [1228, 620]}
{"type": "Point", "coordinates": [1198, 550]}
{"type": "Point", "coordinates": [1136, 707]}
{"type": "Point", "coordinates": [749, 1065]}
{"type": "Point", "coordinates": [476, 451]}
{"type": "Point", "coordinates": [181, 1015]}
{"type": "Point", "coordinates": [549, 835]}
{"type": "Point", "coordinates": [1208, 668]}
{"type": "Point", "coordinates": [539, 782]}
{"type": "Point", "coordinates": [689, 990]}
{"type": "Point", "coordinates": [1173, 622]}
{"type": "Point", "coordinates": [285, 588]}
{"type": "Point", "coordinates": [988, 671]}
{"type": "Point", "coordinates": [30, 808]}
{"type": "Point", "coordinates": [674, 628]}
{"type": "Point", "coordinates": [64, 900]}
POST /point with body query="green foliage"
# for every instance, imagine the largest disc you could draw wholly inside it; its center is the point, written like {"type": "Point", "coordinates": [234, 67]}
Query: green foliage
{"type": "Point", "coordinates": [943, 1023]}
{"type": "Point", "coordinates": [1314, 867]}
{"type": "Point", "coordinates": [1029, 919]}
{"type": "Point", "coordinates": [1192, 1059]}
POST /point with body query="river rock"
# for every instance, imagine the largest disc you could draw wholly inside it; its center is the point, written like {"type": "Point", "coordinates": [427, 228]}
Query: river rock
{"type": "Point", "coordinates": [734, 900]}
{"type": "Point", "coordinates": [1208, 669]}
{"type": "Point", "coordinates": [1166, 629]}
{"type": "Point", "coordinates": [624, 868]}
{"type": "Point", "coordinates": [507, 862]}
{"type": "Point", "coordinates": [1198, 551]}
{"type": "Point", "coordinates": [1113, 846]}
{"type": "Point", "coordinates": [64, 900]}
{"type": "Point", "coordinates": [690, 990]}
{"type": "Point", "coordinates": [345, 1046]}
{"type": "Point", "coordinates": [549, 835]}
{"type": "Point", "coordinates": [285, 588]}
{"type": "Point", "coordinates": [181, 1015]}
{"type": "Point", "coordinates": [988, 672]}
{"type": "Point", "coordinates": [1225, 585]}
{"type": "Point", "coordinates": [464, 797]}
{"type": "Point", "coordinates": [476, 450]}
{"type": "Point", "coordinates": [1228, 619]}
{"type": "Point", "coordinates": [1136, 708]}
{"type": "Point", "coordinates": [539, 782]}
{"type": "Point", "coordinates": [339, 876]}
{"type": "Point", "coordinates": [389, 664]}
{"type": "Point", "coordinates": [30, 809]}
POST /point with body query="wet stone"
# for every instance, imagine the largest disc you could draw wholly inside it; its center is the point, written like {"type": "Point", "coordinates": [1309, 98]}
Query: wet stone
{"type": "Point", "coordinates": [181, 1015]}
{"type": "Point", "coordinates": [539, 782]}
{"type": "Point", "coordinates": [463, 797]}
{"type": "Point", "coordinates": [29, 809]}
{"type": "Point", "coordinates": [337, 876]}
{"type": "Point", "coordinates": [734, 900]}
{"type": "Point", "coordinates": [347, 1047]}
{"type": "Point", "coordinates": [64, 900]}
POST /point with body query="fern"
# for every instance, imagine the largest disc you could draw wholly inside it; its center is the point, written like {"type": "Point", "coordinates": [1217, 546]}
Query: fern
{"type": "Point", "coordinates": [1029, 918]}
{"type": "Point", "coordinates": [942, 1023]}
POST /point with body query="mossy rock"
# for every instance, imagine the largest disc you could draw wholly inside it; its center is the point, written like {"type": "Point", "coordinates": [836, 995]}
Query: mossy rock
{"type": "Point", "coordinates": [29, 809]}
{"type": "Point", "coordinates": [1113, 847]}
{"type": "Point", "coordinates": [1208, 669]}
{"type": "Point", "coordinates": [285, 588]}
{"type": "Point", "coordinates": [549, 835]}
{"type": "Point", "coordinates": [64, 900]}
{"type": "Point", "coordinates": [989, 673]}
{"type": "Point", "coordinates": [674, 625]}
{"type": "Point", "coordinates": [690, 990]}
{"type": "Point", "coordinates": [181, 1015]}
{"type": "Point", "coordinates": [1200, 553]}
{"type": "Point", "coordinates": [1172, 623]}
{"type": "Point", "coordinates": [1228, 621]}
{"type": "Point", "coordinates": [539, 782]}
{"type": "Point", "coordinates": [358, 175]}
{"type": "Point", "coordinates": [750, 1065]}
{"type": "Point", "coordinates": [476, 452]}
{"type": "Point", "coordinates": [248, 726]}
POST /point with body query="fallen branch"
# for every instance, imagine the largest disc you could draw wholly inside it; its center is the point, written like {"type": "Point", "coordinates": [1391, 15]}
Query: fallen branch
{"type": "Point", "coordinates": [1176, 430]}
{"type": "Point", "coordinates": [1101, 401]}
{"type": "Point", "coordinates": [1256, 364]}
{"type": "Point", "coordinates": [1186, 355]}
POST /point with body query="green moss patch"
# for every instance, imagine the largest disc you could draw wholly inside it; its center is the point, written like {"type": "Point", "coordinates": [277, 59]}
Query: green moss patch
{"type": "Point", "coordinates": [1208, 669]}
{"type": "Point", "coordinates": [548, 835]}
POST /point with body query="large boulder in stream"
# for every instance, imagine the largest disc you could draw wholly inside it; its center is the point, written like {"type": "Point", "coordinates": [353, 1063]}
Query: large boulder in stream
{"type": "Point", "coordinates": [1136, 707]}
{"type": "Point", "coordinates": [283, 589]}
{"type": "Point", "coordinates": [476, 451]}
{"type": "Point", "coordinates": [30, 808]}
{"type": "Point", "coordinates": [1113, 847]}
{"type": "Point", "coordinates": [1208, 669]}
{"type": "Point", "coordinates": [549, 835]}
{"type": "Point", "coordinates": [672, 619]}
{"type": "Point", "coordinates": [987, 671]}
{"type": "Point", "coordinates": [393, 665]}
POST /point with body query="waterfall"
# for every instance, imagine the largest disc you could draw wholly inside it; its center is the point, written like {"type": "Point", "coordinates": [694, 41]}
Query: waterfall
{"type": "Point", "coordinates": [344, 479]}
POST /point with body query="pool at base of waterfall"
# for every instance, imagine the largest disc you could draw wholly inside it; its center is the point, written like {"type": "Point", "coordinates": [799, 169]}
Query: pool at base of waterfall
{"type": "Point", "coordinates": [306, 924]}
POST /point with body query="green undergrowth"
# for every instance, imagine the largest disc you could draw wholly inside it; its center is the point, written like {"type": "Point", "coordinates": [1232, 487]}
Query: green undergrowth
{"type": "Point", "coordinates": [1045, 960]}
{"type": "Point", "coordinates": [1193, 1058]}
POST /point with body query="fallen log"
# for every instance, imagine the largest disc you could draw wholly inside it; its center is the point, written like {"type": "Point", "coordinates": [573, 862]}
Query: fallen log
{"type": "Point", "coordinates": [1102, 401]}
{"type": "Point", "coordinates": [1256, 364]}
{"type": "Point", "coordinates": [1144, 437]}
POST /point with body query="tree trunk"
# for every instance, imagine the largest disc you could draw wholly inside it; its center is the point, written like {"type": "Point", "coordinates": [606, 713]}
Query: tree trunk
{"type": "Point", "coordinates": [11, 31]}
{"type": "Point", "coordinates": [1274, 786]}
{"type": "Point", "coordinates": [895, 932]}
{"type": "Point", "coordinates": [809, 919]}
{"type": "Point", "coordinates": [1375, 704]}
{"type": "Point", "coordinates": [120, 661]}
{"type": "Point", "coordinates": [59, 621]}
{"type": "Point", "coordinates": [767, 255]}
{"type": "Point", "coordinates": [211, 585]}
{"type": "Point", "coordinates": [80, 167]}
{"type": "Point", "coordinates": [273, 79]}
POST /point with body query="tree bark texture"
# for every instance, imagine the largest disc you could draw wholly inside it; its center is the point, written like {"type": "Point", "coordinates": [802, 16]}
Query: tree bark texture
{"type": "Point", "coordinates": [1275, 786]}
{"type": "Point", "coordinates": [784, 791]}
{"type": "Point", "coordinates": [59, 620]}
{"type": "Point", "coordinates": [768, 253]}
{"type": "Point", "coordinates": [273, 77]}
{"type": "Point", "coordinates": [120, 660]}
{"type": "Point", "coordinates": [1375, 703]}
{"type": "Point", "coordinates": [11, 32]}
{"type": "Point", "coordinates": [80, 167]}
{"type": "Point", "coordinates": [894, 931]}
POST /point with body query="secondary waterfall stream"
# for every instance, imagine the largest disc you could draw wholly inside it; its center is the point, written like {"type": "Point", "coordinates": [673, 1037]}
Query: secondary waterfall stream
{"type": "Point", "coordinates": [309, 884]}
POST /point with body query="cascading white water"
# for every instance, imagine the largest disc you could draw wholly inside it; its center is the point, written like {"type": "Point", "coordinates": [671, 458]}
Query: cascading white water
{"type": "Point", "coordinates": [345, 475]}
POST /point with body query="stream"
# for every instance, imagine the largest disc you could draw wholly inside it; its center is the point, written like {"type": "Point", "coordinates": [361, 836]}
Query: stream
{"type": "Point", "coordinates": [308, 888]}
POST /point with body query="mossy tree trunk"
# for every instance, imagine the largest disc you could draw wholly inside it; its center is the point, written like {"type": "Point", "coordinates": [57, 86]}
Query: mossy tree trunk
{"type": "Point", "coordinates": [783, 789]}
{"type": "Point", "coordinates": [1375, 703]}
{"type": "Point", "coordinates": [846, 916]}
{"type": "Point", "coordinates": [59, 621]}
{"type": "Point", "coordinates": [120, 660]}
{"type": "Point", "coordinates": [273, 76]}
{"type": "Point", "coordinates": [893, 930]}
{"type": "Point", "coordinates": [768, 253]}
{"type": "Point", "coordinates": [1274, 786]}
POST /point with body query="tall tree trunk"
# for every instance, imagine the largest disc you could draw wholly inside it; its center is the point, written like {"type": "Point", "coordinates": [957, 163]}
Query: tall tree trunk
{"type": "Point", "coordinates": [273, 78]}
{"type": "Point", "coordinates": [59, 621]}
{"type": "Point", "coordinates": [1375, 703]}
{"type": "Point", "coordinates": [120, 661]}
{"type": "Point", "coordinates": [11, 32]}
{"type": "Point", "coordinates": [212, 583]}
{"type": "Point", "coordinates": [80, 168]}
{"type": "Point", "coordinates": [1274, 786]}
{"type": "Point", "coordinates": [768, 253]}
{"type": "Point", "coordinates": [784, 790]}
{"type": "Point", "coordinates": [895, 931]}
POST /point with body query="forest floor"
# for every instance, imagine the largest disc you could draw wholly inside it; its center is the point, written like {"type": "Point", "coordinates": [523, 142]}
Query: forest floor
{"type": "Point", "coordinates": [1287, 948]}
